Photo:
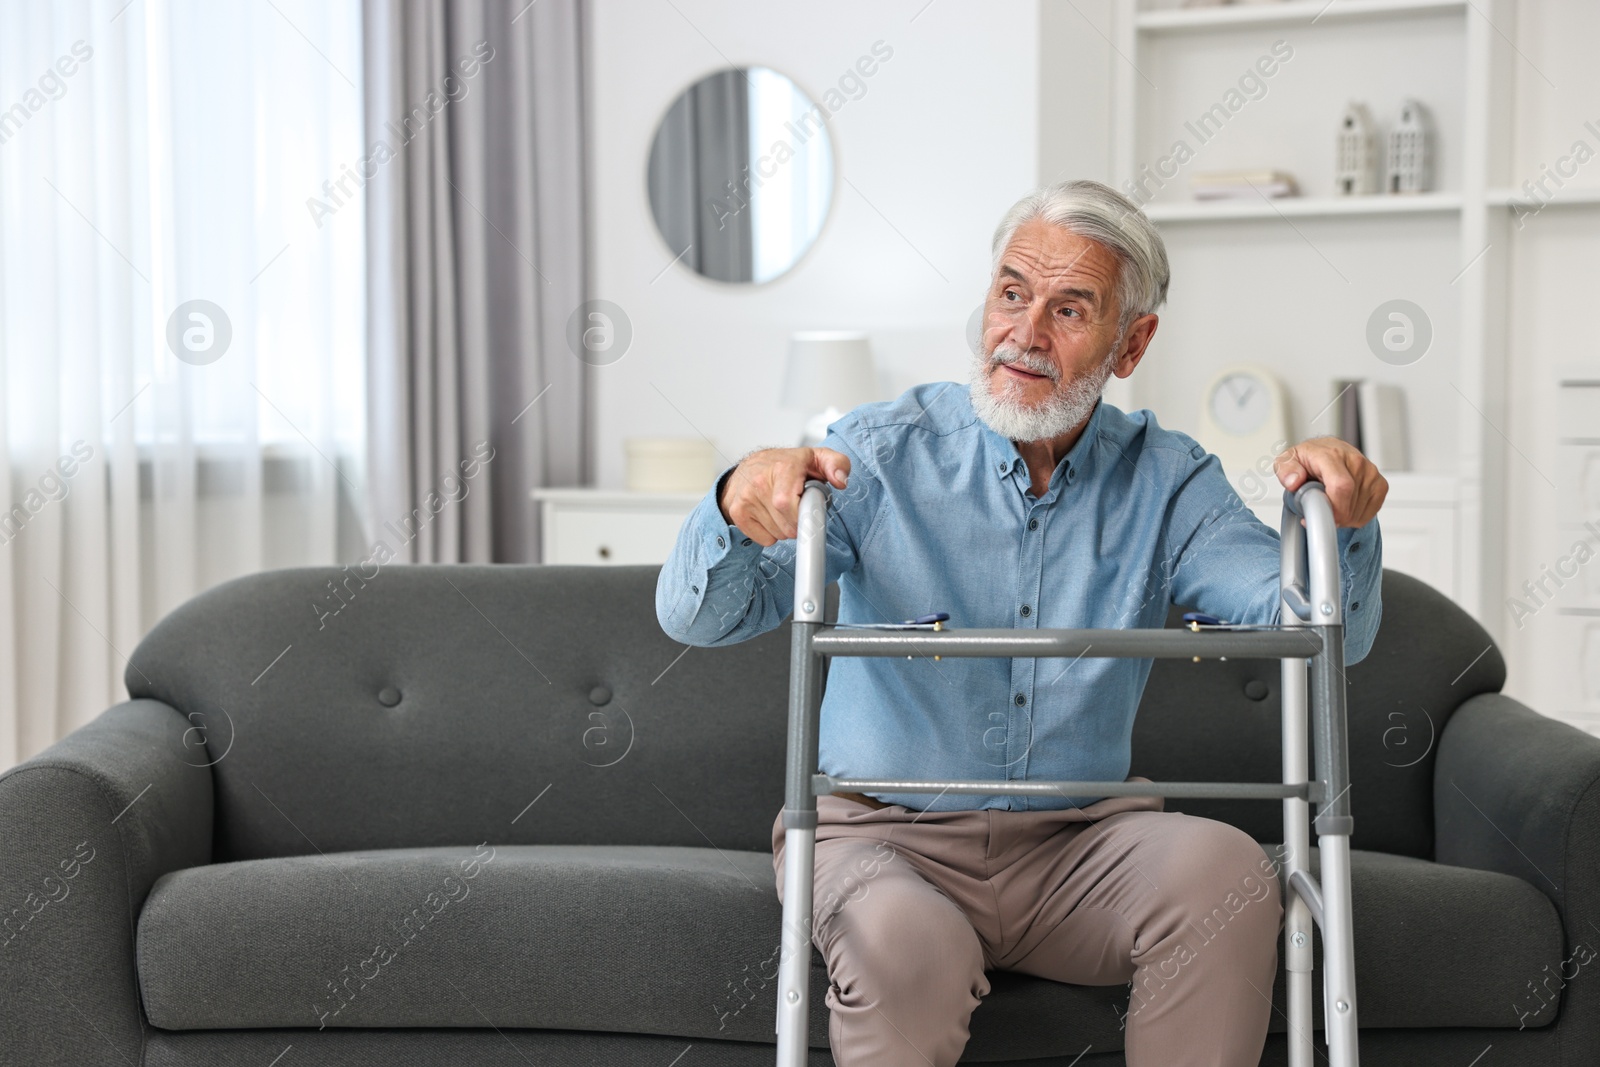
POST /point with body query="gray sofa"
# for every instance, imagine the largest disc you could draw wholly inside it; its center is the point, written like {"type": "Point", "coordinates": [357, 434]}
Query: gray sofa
{"type": "Point", "coordinates": [492, 815]}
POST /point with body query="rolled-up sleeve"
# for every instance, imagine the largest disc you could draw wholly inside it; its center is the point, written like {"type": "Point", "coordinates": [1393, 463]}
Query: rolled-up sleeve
{"type": "Point", "coordinates": [705, 587]}
{"type": "Point", "coordinates": [1226, 561]}
{"type": "Point", "coordinates": [719, 587]}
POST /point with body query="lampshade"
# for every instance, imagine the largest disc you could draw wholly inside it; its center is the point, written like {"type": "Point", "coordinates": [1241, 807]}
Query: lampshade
{"type": "Point", "coordinates": [829, 369]}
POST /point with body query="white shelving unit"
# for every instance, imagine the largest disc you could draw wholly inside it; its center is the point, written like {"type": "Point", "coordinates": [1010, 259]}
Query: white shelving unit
{"type": "Point", "coordinates": [1306, 272]}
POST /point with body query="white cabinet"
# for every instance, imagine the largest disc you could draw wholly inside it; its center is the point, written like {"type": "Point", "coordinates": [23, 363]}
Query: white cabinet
{"type": "Point", "coordinates": [1574, 567]}
{"type": "Point", "coordinates": [1418, 523]}
{"type": "Point", "coordinates": [610, 526]}
{"type": "Point", "coordinates": [1421, 542]}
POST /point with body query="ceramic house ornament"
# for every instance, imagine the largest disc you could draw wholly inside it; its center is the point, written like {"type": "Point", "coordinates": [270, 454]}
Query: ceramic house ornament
{"type": "Point", "coordinates": [1356, 157]}
{"type": "Point", "coordinates": [1410, 163]}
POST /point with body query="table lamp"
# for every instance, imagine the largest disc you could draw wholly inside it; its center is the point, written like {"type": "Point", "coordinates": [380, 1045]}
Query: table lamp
{"type": "Point", "coordinates": [829, 372]}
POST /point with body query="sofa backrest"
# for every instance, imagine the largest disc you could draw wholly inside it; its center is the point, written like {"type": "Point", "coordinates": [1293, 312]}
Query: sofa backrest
{"type": "Point", "coordinates": [1222, 720]}
{"type": "Point", "coordinates": [453, 704]}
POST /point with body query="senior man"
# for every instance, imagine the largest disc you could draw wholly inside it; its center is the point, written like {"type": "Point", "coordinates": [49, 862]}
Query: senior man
{"type": "Point", "coordinates": [1024, 500]}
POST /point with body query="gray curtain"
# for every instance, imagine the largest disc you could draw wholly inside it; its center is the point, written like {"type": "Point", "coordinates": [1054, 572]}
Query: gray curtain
{"type": "Point", "coordinates": [475, 261]}
{"type": "Point", "coordinates": [703, 143]}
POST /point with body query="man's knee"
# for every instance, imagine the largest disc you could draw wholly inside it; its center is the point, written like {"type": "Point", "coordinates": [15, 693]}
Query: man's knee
{"type": "Point", "coordinates": [906, 970]}
{"type": "Point", "coordinates": [1231, 882]}
{"type": "Point", "coordinates": [902, 930]}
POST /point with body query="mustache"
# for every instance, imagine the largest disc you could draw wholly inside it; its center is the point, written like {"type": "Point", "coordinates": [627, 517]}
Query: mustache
{"type": "Point", "coordinates": [1010, 353]}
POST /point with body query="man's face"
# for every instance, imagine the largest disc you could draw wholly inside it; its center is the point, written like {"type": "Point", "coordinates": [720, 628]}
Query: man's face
{"type": "Point", "coordinates": [1051, 312]}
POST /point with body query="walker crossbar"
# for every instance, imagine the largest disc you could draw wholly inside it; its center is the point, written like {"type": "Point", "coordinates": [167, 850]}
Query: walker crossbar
{"type": "Point", "coordinates": [1312, 635]}
{"type": "Point", "coordinates": [1120, 644]}
{"type": "Point", "coordinates": [822, 783]}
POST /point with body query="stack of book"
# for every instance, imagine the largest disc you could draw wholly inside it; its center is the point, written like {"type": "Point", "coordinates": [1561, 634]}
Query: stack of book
{"type": "Point", "coordinates": [1222, 184]}
{"type": "Point", "coordinates": [1371, 416]}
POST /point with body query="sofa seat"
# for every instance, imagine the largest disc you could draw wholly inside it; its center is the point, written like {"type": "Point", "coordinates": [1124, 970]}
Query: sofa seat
{"type": "Point", "coordinates": [683, 942]}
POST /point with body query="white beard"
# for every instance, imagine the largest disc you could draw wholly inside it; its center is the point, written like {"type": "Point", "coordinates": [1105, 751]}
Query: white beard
{"type": "Point", "coordinates": [1004, 411]}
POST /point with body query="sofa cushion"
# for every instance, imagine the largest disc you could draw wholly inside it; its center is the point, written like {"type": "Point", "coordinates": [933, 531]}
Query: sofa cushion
{"type": "Point", "coordinates": [683, 942]}
{"type": "Point", "coordinates": [656, 940]}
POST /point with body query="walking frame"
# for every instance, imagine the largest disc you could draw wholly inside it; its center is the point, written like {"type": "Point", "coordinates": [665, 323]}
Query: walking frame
{"type": "Point", "coordinates": [1312, 634]}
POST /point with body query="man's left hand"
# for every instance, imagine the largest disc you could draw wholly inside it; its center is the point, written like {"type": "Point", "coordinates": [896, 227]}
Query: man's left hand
{"type": "Point", "coordinates": [1354, 486]}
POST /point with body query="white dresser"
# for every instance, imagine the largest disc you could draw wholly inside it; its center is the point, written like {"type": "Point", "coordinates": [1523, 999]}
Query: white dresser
{"type": "Point", "coordinates": [1418, 523]}
{"type": "Point", "coordinates": [1574, 576]}
{"type": "Point", "coordinates": [623, 526]}
{"type": "Point", "coordinates": [606, 526]}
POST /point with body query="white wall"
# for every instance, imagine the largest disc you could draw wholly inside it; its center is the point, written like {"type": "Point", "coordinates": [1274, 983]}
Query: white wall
{"type": "Point", "coordinates": [944, 139]}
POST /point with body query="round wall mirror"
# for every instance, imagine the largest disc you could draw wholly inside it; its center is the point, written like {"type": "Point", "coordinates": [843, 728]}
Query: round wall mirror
{"type": "Point", "coordinates": [741, 175]}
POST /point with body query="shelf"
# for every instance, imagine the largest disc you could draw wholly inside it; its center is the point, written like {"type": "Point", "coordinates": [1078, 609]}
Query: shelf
{"type": "Point", "coordinates": [1303, 207]}
{"type": "Point", "coordinates": [1579, 197]}
{"type": "Point", "coordinates": [1288, 13]}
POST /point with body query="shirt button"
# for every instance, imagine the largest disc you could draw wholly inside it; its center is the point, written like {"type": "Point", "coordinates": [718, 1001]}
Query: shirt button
{"type": "Point", "coordinates": [1021, 700]}
{"type": "Point", "coordinates": [1354, 604]}
{"type": "Point", "coordinates": [694, 588]}
{"type": "Point", "coordinates": [1002, 468]}
{"type": "Point", "coordinates": [746, 541]}
{"type": "Point", "coordinates": [1026, 611]}
{"type": "Point", "coordinates": [1033, 524]}
{"type": "Point", "coordinates": [1355, 546]}
{"type": "Point", "coordinates": [719, 541]}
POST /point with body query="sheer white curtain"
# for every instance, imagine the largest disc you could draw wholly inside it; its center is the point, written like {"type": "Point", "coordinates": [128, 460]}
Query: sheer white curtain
{"type": "Point", "coordinates": [181, 323]}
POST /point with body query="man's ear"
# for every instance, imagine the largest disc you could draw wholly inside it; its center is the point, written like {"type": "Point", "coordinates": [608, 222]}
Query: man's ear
{"type": "Point", "coordinates": [1140, 330]}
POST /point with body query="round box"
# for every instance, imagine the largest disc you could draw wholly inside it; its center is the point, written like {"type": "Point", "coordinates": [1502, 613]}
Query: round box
{"type": "Point", "coordinates": [670, 464]}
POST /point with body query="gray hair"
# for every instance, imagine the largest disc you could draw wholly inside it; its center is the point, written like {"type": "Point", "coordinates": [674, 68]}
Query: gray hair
{"type": "Point", "coordinates": [1101, 214]}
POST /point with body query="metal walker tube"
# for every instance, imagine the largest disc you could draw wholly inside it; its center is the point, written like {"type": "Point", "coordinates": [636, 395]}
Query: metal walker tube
{"type": "Point", "coordinates": [1296, 864]}
{"type": "Point", "coordinates": [1331, 748]}
{"type": "Point", "coordinates": [800, 802]}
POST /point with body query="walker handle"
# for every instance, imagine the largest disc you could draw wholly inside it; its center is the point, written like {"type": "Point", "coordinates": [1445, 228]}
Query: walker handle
{"type": "Point", "coordinates": [1309, 579]}
{"type": "Point", "coordinates": [811, 551]}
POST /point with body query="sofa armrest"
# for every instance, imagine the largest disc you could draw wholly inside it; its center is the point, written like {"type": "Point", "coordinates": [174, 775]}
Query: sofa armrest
{"type": "Point", "coordinates": [1519, 793]}
{"type": "Point", "coordinates": [86, 827]}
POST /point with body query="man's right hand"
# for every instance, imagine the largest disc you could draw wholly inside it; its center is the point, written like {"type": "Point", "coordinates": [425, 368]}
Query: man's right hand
{"type": "Point", "coordinates": [762, 495]}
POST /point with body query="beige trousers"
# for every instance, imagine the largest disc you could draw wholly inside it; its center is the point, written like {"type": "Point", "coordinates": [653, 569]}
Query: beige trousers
{"type": "Point", "coordinates": [910, 908]}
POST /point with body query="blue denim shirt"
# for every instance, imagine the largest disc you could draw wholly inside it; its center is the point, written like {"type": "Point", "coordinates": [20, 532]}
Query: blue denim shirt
{"type": "Point", "coordinates": [939, 515]}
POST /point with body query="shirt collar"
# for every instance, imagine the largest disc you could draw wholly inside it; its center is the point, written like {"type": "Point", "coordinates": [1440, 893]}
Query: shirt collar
{"type": "Point", "coordinates": [1002, 455]}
